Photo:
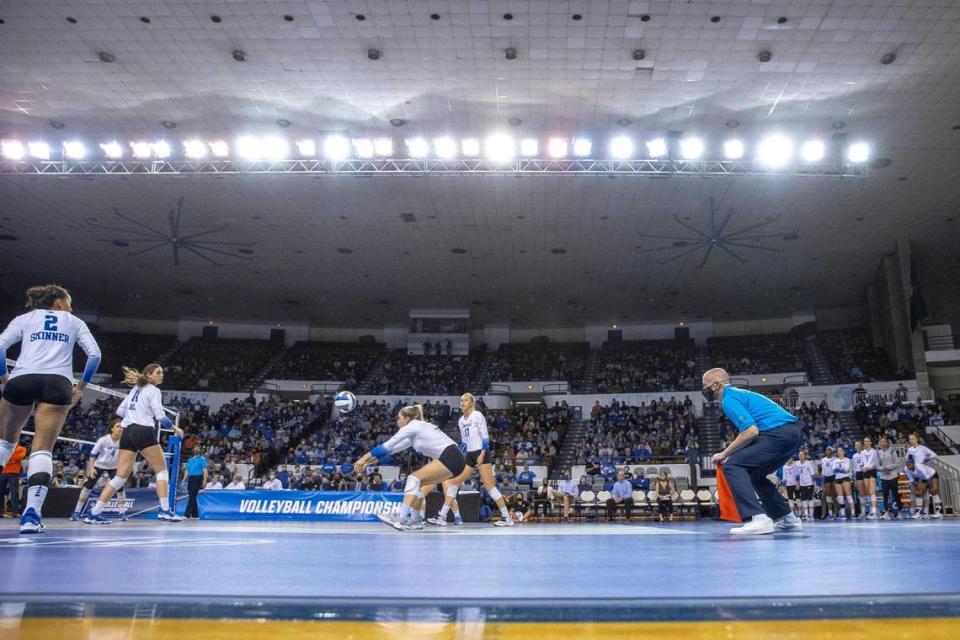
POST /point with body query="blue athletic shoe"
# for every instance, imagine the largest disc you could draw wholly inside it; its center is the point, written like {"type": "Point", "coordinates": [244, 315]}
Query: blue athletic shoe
{"type": "Point", "coordinates": [457, 520]}
{"type": "Point", "coordinates": [30, 522]}
{"type": "Point", "coordinates": [74, 516]}
{"type": "Point", "coordinates": [169, 516]}
{"type": "Point", "coordinates": [95, 518]}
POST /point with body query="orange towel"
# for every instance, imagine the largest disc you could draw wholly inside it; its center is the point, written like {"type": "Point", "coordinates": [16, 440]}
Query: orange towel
{"type": "Point", "coordinates": [728, 508]}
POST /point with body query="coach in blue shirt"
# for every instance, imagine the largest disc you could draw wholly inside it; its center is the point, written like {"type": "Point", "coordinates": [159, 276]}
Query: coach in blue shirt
{"type": "Point", "coordinates": [196, 479]}
{"type": "Point", "coordinates": [769, 436]}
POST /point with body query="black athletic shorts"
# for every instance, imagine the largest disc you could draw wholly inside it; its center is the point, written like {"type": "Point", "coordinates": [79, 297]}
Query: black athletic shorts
{"type": "Point", "coordinates": [453, 460]}
{"type": "Point", "coordinates": [869, 473]}
{"type": "Point", "coordinates": [858, 476]}
{"type": "Point", "coordinates": [97, 472]}
{"type": "Point", "coordinates": [472, 457]}
{"type": "Point", "coordinates": [841, 480]}
{"type": "Point", "coordinates": [791, 492]}
{"type": "Point", "coordinates": [138, 437]}
{"type": "Point", "coordinates": [38, 387]}
{"type": "Point", "coordinates": [806, 492]}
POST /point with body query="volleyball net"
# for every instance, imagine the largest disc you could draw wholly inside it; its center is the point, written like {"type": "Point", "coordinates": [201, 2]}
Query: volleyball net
{"type": "Point", "coordinates": [92, 418]}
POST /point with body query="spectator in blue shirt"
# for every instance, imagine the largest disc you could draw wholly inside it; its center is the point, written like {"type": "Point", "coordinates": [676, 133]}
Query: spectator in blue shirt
{"type": "Point", "coordinates": [196, 478]}
{"type": "Point", "coordinates": [640, 482]}
{"type": "Point", "coordinates": [768, 436]}
{"type": "Point", "coordinates": [620, 495]}
{"type": "Point", "coordinates": [526, 476]}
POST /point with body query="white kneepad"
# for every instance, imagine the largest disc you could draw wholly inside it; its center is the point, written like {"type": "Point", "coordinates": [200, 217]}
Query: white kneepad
{"type": "Point", "coordinates": [413, 486]}
{"type": "Point", "coordinates": [163, 476]}
{"type": "Point", "coordinates": [117, 482]}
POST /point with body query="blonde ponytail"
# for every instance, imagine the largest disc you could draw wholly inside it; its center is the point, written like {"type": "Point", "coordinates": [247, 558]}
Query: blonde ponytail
{"type": "Point", "coordinates": [136, 378]}
{"type": "Point", "coordinates": [413, 412]}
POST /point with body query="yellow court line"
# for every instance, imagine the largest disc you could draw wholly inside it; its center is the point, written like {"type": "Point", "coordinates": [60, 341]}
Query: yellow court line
{"type": "Point", "coordinates": [179, 629]}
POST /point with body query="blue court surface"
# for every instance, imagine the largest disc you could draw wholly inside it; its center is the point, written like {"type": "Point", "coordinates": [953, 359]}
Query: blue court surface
{"type": "Point", "coordinates": [531, 572]}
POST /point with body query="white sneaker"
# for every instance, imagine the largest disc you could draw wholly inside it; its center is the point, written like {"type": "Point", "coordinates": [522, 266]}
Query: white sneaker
{"type": "Point", "coordinates": [413, 526]}
{"type": "Point", "coordinates": [440, 522]}
{"type": "Point", "coordinates": [504, 523]}
{"type": "Point", "coordinates": [789, 522]}
{"type": "Point", "coordinates": [917, 516]}
{"type": "Point", "coordinates": [760, 524]}
{"type": "Point", "coordinates": [937, 515]}
{"type": "Point", "coordinates": [872, 516]}
{"type": "Point", "coordinates": [389, 519]}
{"type": "Point", "coordinates": [885, 516]}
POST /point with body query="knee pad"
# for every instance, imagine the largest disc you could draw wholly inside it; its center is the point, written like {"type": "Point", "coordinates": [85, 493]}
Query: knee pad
{"type": "Point", "coordinates": [412, 487]}
{"type": "Point", "coordinates": [452, 491]}
{"type": "Point", "coordinates": [495, 494]}
{"type": "Point", "coordinates": [117, 482]}
{"type": "Point", "coordinates": [40, 464]}
{"type": "Point", "coordinates": [163, 476]}
{"type": "Point", "coordinates": [90, 483]}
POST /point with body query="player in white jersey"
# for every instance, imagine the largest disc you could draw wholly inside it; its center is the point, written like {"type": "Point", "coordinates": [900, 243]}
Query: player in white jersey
{"type": "Point", "coordinates": [806, 472]}
{"type": "Point", "coordinates": [427, 439]}
{"type": "Point", "coordinates": [475, 442]}
{"type": "Point", "coordinates": [870, 460]}
{"type": "Point", "coordinates": [140, 411]}
{"type": "Point", "coordinates": [790, 479]}
{"type": "Point", "coordinates": [857, 461]}
{"type": "Point", "coordinates": [842, 480]}
{"type": "Point", "coordinates": [42, 384]}
{"type": "Point", "coordinates": [828, 507]}
{"type": "Point", "coordinates": [102, 460]}
{"type": "Point", "coordinates": [921, 455]}
{"type": "Point", "coordinates": [921, 478]}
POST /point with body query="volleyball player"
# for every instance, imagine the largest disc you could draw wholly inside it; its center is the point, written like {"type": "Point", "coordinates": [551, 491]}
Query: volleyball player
{"type": "Point", "coordinates": [427, 439]}
{"type": "Point", "coordinates": [42, 384]}
{"type": "Point", "coordinates": [805, 475]}
{"type": "Point", "coordinates": [102, 460]}
{"type": "Point", "coordinates": [140, 410]}
{"type": "Point", "coordinates": [828, 506]}
{"type": "Point", "coordinates": [476, 438]}
{"type": "Point", "coordinates": [842, 474]}
{"type": "Point", "coordinates": [870, 460]}
{"type": "Point", "coordinates": [921, 455]}
{"type": "Point", "coordinates": [790, 479]}
{"type": "Point", "coordinates": [857, 460]}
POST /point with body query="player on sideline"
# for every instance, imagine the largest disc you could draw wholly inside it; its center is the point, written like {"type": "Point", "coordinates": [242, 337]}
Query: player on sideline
{"type": "Point", "coordinates": [140, 410]}
{"type": "Point", "coordinates": [102, 460]}
{"type": "Point", "coordinates": [427, 439]}
{"type": "Point", "coordinates": [42, 384]}
{"type": "Point", "coordinates": [870, 459]}
{"type": "Point", "coordinates": [921, 455]}
{"type": "Point", "coordinates": [791, 477]}
{"type": "Point", "coordinates": [859, 494]}
{"type": "Point", "coordinates": [806, 471]}
{"type": "Point", "coordinates": [828, 508]}
{"type": "Point", "coordinates": [842, 471]}
{"type": "Point", "coordinates": [769, 436]}
{"type": "Point", "coordinates": [475, 441]}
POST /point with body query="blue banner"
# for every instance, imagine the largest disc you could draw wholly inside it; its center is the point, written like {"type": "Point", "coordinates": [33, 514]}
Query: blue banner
{"type": "Point", "coordinates": [324, 506]}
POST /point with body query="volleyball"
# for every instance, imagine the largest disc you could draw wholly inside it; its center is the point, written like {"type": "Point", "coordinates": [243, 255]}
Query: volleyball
{"type": "Point", "coordinates": [345, 401]}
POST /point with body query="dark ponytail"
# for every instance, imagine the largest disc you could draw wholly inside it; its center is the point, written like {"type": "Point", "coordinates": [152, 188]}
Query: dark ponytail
{"type": "Point", "coordinates": [45, 296]}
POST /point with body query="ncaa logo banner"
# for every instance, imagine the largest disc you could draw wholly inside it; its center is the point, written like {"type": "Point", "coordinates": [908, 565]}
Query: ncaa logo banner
{"type": "Point", "coordinates": [325, 506]}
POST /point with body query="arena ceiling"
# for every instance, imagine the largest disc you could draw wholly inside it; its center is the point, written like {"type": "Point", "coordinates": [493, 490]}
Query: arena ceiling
{"type": "Point", "coordinates": [531, 250]}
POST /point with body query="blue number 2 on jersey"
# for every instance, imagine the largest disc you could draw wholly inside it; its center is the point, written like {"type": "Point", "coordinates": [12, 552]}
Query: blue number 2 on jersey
{"type": "Point", "coordinates": [50, 322]}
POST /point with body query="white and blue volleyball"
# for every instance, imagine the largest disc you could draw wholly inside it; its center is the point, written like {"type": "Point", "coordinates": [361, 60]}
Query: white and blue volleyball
{"type": "Point", "coordinates": [345, 401]}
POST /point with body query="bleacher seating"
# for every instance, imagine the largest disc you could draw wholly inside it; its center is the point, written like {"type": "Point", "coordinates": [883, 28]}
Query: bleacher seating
{"type": "Point", "coordinates": [853, 358]}
{"type": "Point", "coordinates": [426, 375]}
{"type": "Point", "coordinates": [654, 365]}
{"type": "Point", "coordinates": [540, 361]}
{"type": "Point", "coordinates": [217, 364]}
{"type": "Point", "coordinates": [624, 434]}
{"type": "Point", "coordinates": [345, 361]}
{"type": "Point", "coordinates": [758, 354]}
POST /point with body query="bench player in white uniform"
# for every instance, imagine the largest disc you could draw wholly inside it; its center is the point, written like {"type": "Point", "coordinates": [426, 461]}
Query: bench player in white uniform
{"type": "Point", "coordinates": [475, 443]}
{"type": "Point", "coordinates": [921, 455]}
{"type": "Point", "coordinates": [102, 460]}
{"type": "Point", "coordinates": [828, 507]}
{"type": "Point", "coordinates": [140, 411]}
{"type": "Point", "coordinates": [42, 384]}
{"type": "Point", "coordinates": [842, 480]}
{"type": "Point", "coordinates": [857, 460]}
{"type": "Point", "coordinates": [424, 438]}
{"type": "Point", "coordinates": [805, 480]}
{"type": "Point", "coordinates": [870, 460]}
{"type": "Point", "coordinates": [790, 480]}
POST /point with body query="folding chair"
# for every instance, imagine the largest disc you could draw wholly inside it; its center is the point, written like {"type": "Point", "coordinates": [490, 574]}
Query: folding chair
{"type": "Point", "coordinates": [588, 500]}
{"type": "Point", "coordinates": [688, 500]}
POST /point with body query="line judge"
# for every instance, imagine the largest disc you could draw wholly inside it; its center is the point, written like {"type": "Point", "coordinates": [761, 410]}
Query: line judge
{"type": "Point", "coordinates": [769, 436]}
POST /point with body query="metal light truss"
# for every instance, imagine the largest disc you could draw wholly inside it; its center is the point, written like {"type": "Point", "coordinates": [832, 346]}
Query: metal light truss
{"type": "Point", "coordinates": [409, 166]}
